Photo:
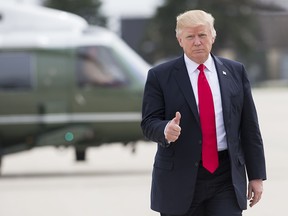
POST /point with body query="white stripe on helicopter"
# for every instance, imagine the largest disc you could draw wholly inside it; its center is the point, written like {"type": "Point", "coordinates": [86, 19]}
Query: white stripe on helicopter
{"type": "Point", "coordinates": [60, 118]}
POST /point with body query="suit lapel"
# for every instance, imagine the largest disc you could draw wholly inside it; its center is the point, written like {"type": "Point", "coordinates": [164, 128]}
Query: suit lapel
{"type": "Point", "coordinates": [183, 81]}
{"type": "Point", "coordinates": [224, 77]}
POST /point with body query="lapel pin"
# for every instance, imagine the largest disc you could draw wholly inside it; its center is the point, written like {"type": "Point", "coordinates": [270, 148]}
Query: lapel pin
{"type": "Point", "coordinates": [224, 73]}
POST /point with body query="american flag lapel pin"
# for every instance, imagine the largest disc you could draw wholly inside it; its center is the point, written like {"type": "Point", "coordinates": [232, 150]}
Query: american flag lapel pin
{"type": "Point", "coordinates": [224, 73]}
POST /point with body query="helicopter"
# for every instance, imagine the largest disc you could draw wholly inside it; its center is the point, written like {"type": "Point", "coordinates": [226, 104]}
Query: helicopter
{"type": "Point", "coordinates": [65, 83]}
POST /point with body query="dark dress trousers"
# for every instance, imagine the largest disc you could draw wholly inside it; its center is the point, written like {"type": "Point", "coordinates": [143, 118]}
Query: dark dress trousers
{"type": "Point", "coordinates": [168, 90]}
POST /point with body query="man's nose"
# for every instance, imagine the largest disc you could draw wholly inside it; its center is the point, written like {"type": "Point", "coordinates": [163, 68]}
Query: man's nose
{"type": "Point", "coordinates": [197, 41]}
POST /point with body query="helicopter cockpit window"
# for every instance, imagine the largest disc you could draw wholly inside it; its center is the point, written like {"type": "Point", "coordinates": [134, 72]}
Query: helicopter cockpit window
{"type": "Point", "coordinates": [98, 66]}
{"type": "Point", "coordinates": [15, 71]}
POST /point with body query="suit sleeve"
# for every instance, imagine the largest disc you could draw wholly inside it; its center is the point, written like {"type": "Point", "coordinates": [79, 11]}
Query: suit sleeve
{"type": "Point", "coordinates": [251, 139]}
{"type": "Point", "coordinates": [153, 110]}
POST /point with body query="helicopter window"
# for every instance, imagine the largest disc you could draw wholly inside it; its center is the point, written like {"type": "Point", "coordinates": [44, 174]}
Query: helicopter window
{"type": "Point", "coordinates": [15, 75]}
{"type": "Point", "coordinates": [98, 66]}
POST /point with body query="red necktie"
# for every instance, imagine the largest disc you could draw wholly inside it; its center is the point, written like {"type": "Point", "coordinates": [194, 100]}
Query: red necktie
{"type": "Point", "coordinates": [207, 121]}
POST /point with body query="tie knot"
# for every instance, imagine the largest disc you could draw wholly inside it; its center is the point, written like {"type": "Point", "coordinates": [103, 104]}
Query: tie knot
{"type": "Point", "coordinates": [201, 67]}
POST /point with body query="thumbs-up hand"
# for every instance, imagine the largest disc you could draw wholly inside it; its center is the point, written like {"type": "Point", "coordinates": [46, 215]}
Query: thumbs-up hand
{"type": "Point", "coordinates": [173, 130]}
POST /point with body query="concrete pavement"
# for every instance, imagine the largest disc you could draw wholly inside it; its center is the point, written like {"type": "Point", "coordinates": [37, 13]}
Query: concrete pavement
{"type": "Point", "coordinates": [47, 181]}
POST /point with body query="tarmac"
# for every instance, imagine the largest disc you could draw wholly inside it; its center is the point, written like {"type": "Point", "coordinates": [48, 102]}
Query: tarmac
{"type": "Point", "coordinates": [113, 181]}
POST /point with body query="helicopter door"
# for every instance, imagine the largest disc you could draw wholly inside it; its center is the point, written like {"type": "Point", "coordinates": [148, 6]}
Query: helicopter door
{"type": "Point", "coordinates": [54, 73]}
{"type": "Point", "coordinates": [102, 96]}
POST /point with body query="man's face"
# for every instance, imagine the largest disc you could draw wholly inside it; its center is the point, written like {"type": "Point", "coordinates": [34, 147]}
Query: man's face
{"type": "Point", "coordinates": [196, 42]}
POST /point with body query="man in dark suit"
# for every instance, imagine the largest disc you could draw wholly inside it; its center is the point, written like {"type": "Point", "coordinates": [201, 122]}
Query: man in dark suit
{"type": "Point", "coordinates": [208, 135]}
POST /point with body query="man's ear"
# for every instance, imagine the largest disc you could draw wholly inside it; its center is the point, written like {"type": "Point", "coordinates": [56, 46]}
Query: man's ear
{"type": "Point", "coordinates": [179, 41]}
{"type": "Point", "coordinates": [213, 40]}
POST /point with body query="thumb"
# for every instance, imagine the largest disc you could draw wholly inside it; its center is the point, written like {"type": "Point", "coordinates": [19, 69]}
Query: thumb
{"type": "Point", "coordinates": [177, 118]}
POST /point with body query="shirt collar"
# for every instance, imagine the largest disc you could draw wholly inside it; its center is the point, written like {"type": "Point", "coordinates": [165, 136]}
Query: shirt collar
{"type": "Point", "coordinates": [209, 63]}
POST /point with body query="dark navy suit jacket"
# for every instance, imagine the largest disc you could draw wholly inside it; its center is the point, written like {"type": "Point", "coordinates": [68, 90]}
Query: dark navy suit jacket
{"type": "Point", "coordinates": [168, 90]}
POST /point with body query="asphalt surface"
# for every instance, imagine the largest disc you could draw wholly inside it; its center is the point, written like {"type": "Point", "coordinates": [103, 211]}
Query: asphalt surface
{"type": "Point", "coordinates": [113, 181]}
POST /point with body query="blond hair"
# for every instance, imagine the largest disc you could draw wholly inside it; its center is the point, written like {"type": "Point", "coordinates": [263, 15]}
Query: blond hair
{"type": "Point", "coordinates": [194, 18]}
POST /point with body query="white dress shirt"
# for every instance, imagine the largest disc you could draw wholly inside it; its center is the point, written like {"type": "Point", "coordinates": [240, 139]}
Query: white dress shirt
{"type": "Point", "coordinates": [212, 78]}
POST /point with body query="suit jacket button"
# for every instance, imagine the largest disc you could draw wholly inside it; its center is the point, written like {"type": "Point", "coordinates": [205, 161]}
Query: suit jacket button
{"type": "Point", "coordinates": [196, 164]}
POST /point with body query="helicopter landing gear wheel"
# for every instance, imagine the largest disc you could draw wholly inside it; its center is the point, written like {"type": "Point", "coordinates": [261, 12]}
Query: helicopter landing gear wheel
{"type": "Point", "coordinates": [80, 154]}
